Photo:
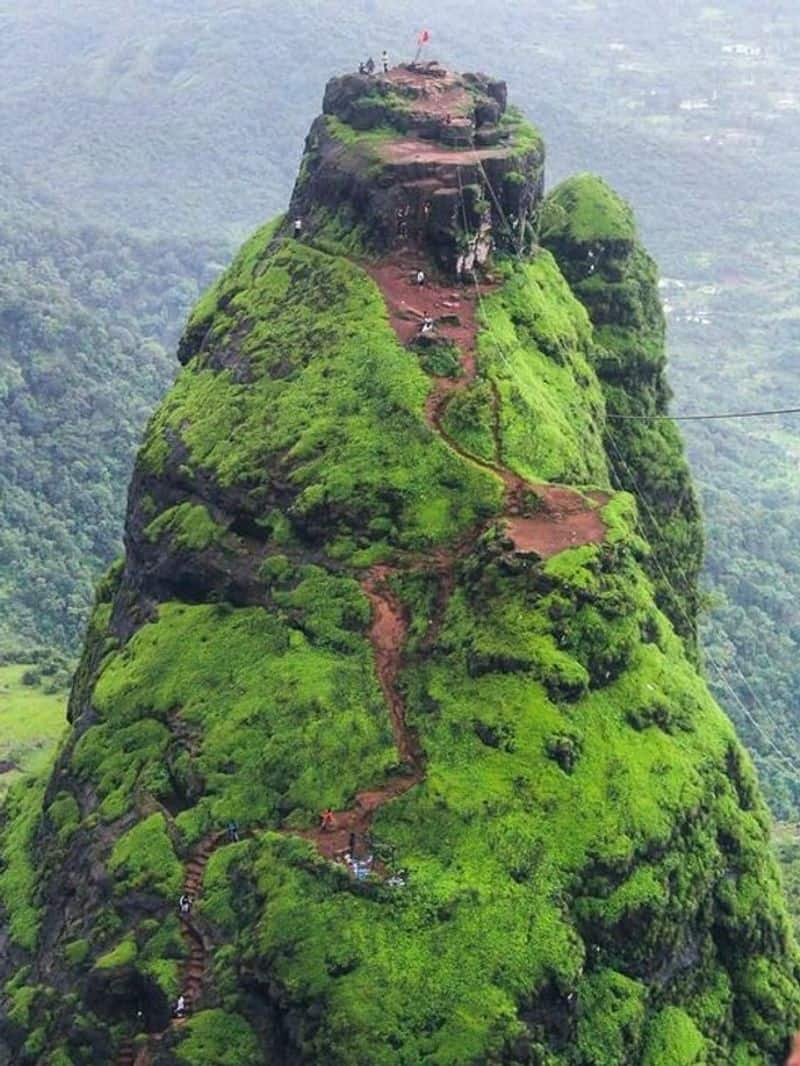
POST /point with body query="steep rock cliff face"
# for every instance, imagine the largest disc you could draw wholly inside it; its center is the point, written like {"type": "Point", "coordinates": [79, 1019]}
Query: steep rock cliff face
{"type": "Point", "coordinates": [375, 563]}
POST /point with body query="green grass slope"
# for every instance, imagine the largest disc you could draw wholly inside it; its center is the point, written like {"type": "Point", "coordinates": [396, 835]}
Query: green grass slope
{"type": "Point", "coordinates": [586, 876]}
{"type": "Point", "coordinates": [32, 721]}
{"type": "Point", "coordinates": [592, 234]}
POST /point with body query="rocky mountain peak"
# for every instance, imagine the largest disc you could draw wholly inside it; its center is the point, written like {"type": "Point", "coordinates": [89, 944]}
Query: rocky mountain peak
{"type": "Point", "coordinates": [424, 155]}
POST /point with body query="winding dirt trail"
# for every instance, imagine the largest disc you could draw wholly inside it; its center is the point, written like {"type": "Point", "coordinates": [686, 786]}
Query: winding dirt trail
{"type": "Point", "coordinates": [540, 518]}
{"type": "Point", "coordinates": [194, 970]}
{"type": "Point", "coordinates": [387, 635]}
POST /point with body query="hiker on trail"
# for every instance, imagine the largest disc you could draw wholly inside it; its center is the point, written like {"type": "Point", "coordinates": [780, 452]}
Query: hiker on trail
{"type": "Point", "coordinates": [420, 278]}
{"type": "Point", "coordinates": [362, 67]}
{"type": "Point", "coordinates": [180, 1007]}
{"type": "Point", "coordinates": [185, 904]}
{"type": "Point", "coordinates": [370, 66]}
{"type": "Point", "coordinates": [298, 228]}
{"type": "Point", "coordinates": [427, 324]}
{"type": "Point", "coordinates": [385, 61]}
{"type": "Point", "coordinates": [401, 216]}
{"type": "Point", "coordinates": [233, 833]}
{"type": "Point", "coordinates": [448, 119]}
{"type": "Point", "coordinates": [426, 209]}
{"type": "Point", "coordinates": [327, 820]}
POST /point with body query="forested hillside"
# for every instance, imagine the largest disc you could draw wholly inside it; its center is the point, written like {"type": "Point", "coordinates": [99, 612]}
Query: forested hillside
{"type": "Point", "coordinates": [186, 118]}
{"type": "Point", "coordinates": [88, 319]}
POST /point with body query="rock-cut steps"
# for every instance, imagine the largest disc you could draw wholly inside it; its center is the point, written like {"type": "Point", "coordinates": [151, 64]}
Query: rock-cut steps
{"type": "Point", "coordinates": [127, 1054]}
{"type": "Point", "coordinates": [194, 970]}
{"type": "Point", "coordinates": [193, 975]}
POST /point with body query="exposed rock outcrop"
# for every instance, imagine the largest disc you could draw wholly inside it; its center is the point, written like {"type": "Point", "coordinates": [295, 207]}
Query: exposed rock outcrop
{"type": "Point", "coordinates": [441, 162]}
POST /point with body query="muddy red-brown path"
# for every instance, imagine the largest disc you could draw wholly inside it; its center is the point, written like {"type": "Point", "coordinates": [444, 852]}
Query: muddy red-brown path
{"type": "Point", "coordinates": [563, 518]}
{"type": "Point", "coordinates": [387, 636]}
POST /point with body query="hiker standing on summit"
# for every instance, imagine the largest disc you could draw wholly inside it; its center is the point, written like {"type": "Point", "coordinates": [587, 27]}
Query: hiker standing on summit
{"type": "Point", "coordinates": [385, 61]}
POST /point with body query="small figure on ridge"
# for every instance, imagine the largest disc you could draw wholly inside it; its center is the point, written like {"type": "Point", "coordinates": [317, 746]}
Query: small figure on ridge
{"type": "Point", "coordinates": [385, 61]}
{"type": "Point", "coordinates": [370, 66]}
{"type": "Point", "coordinates": [185, 904]}
{"type": "Point", "coordinates": [420, 278]}
{"type": "Point", "coordinates": [327, 820]}
{"type": "Point", "coordinates": [298, 228]}
{"type": "Point", "coordinates": [233, 833]}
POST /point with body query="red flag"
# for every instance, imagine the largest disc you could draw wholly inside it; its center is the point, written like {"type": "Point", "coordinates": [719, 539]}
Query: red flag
{"type": "Point", "coordinates": [424, 37]}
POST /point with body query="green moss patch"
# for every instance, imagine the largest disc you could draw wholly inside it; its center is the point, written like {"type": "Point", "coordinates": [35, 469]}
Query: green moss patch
{"type": "Point", "coordinates": [587, 209]}
{"type": "Point", "coordinates": [190, 526]}
{"type": "Point", "coordinates": [144, 858]}
{"type": "Point", "coordinates": [218, 1037]}
{"type": "Point", "coordinates": [346, 405]}
{"type": "Point", "coordinates": [124, 954]}
{"type": "Point", "coordinates": [289, 714]}
{"type": "Point", "coordinates": [534, 345]}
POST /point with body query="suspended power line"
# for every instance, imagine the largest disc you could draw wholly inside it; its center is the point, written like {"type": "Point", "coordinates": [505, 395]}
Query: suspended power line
{"type": "Point", "coordinates": [704, 418]}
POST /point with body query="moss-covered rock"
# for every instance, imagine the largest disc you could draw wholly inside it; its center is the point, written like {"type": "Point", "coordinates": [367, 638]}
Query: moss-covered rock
{"type": "Point", "coordinates": [326, 602]}
{"type": "Point", "coordinates": [592, 234]}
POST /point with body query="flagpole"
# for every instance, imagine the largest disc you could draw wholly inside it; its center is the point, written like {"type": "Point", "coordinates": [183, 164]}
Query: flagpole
{"type": "Point", "coordinates": [422, 40]}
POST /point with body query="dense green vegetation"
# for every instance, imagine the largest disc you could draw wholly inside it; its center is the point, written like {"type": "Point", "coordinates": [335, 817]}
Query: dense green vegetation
{"type": "Point", "coordinates": [86, 316]}
{"type": "Point", "coordinates": [542, 690]}
{"type": "Point", "coordinates": [106, 117]}
{"type": "Point", "coordinates": [753, 633]}
{"type": "Point", "coordinates": [592, 234]}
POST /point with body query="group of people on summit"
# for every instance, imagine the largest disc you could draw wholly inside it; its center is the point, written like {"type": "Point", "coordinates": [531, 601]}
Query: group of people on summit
{"type": "Point", "coordinates": [369, 66]}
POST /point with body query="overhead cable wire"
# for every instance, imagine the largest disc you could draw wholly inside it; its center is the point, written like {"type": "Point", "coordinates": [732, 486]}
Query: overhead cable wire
{"type": "Point", "coordinates": [703, 418]}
